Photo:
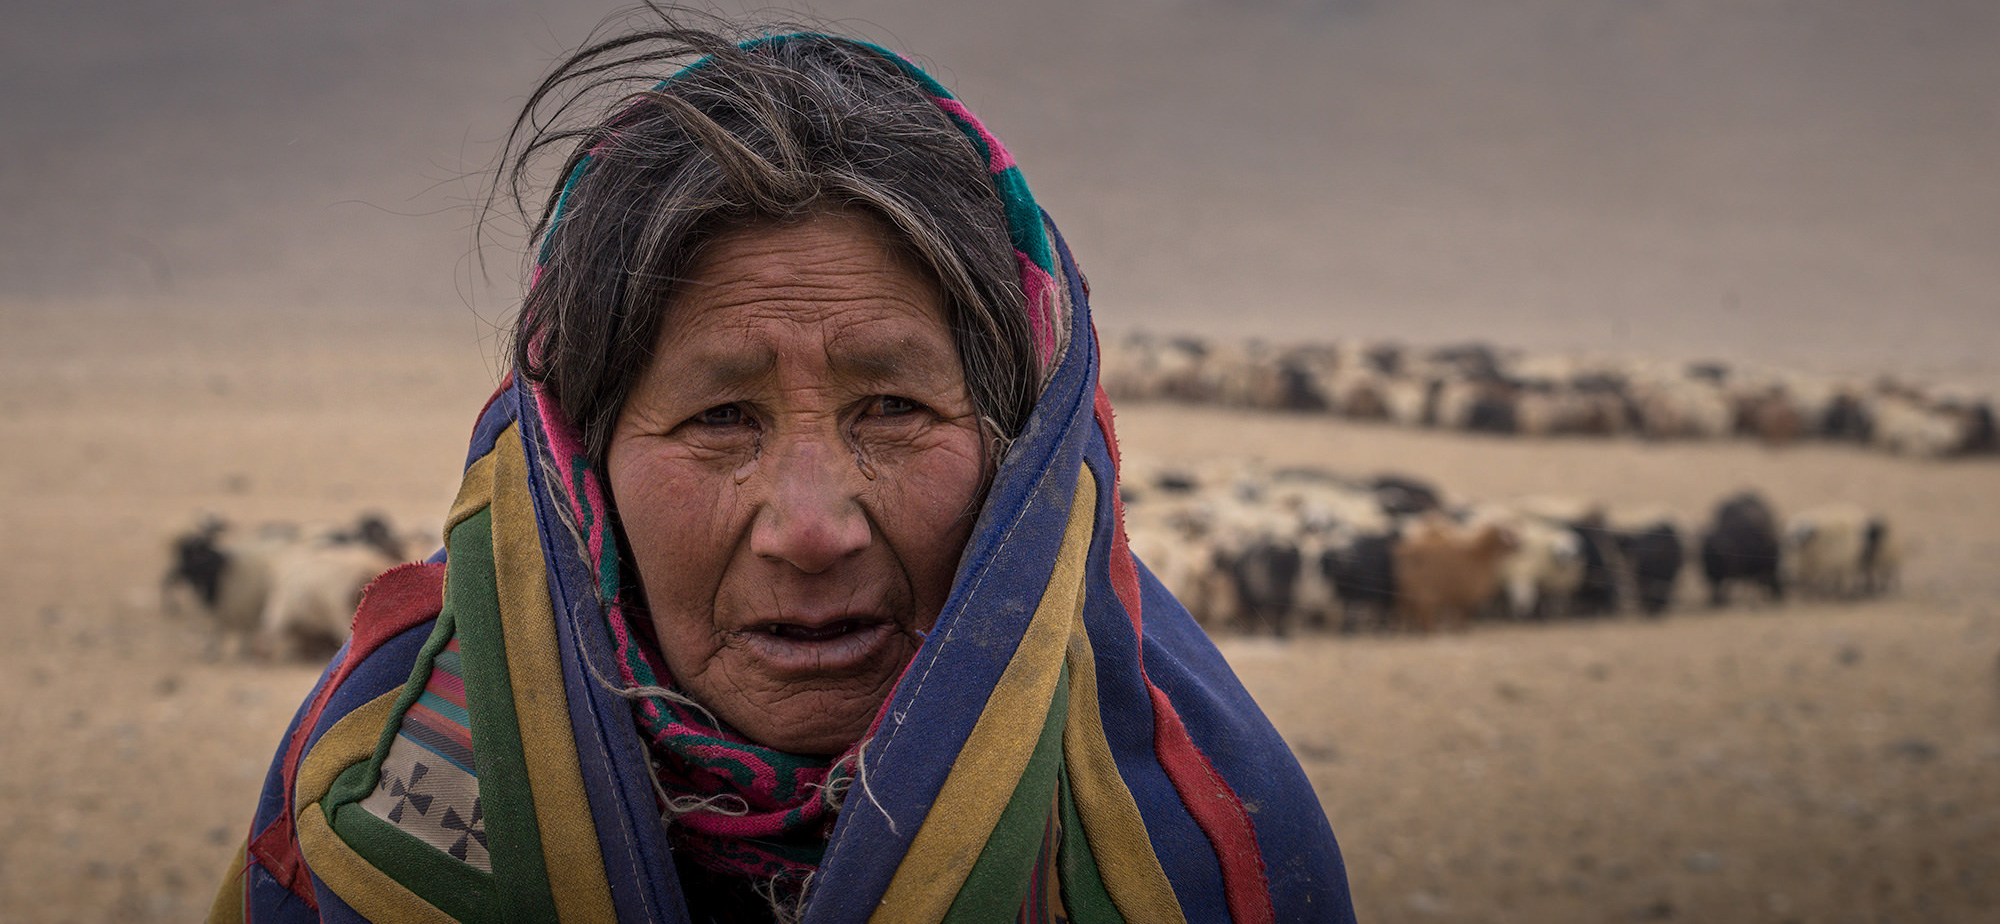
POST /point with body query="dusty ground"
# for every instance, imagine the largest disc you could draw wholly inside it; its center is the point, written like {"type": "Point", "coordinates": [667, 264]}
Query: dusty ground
{"type": "Point", "coordinates": [1801, 763]}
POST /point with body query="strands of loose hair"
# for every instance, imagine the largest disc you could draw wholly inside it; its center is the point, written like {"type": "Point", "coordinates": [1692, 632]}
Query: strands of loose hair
{"type": "Point", "coordinates": [763, 132]}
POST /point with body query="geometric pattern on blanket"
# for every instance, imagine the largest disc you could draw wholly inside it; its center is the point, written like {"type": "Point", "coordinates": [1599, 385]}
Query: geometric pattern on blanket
{"type": "Point", "coordinates": [429, 786]}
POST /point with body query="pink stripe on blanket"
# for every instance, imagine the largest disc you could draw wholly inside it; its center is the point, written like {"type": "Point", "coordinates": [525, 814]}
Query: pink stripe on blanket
{"type": "Point", "coordinates": [566, 448]}
{"type": "Point", "coordinates": [1040, 288]}
{"type": "Point", "coordinates": [997, 157]}
{"type": "Point", "coordinates": [449, 687]}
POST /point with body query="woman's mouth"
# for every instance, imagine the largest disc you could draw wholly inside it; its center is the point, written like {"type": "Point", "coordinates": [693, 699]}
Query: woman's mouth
{"type": "Point", "coordinates": [803, 633]}
{"type": "Point", "coordinates": [820, 648]}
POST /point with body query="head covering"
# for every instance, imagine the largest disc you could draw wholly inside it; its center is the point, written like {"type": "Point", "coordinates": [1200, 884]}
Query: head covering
{"type": "Point", "coordinates": [1066, 744]}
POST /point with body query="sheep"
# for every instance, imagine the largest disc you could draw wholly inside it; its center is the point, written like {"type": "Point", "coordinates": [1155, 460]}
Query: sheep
{"type": "Point", "coordinates": [1406, 401]}
{"type": "Point", "coordinates": [1769, 414]}
{"type": "Point", "coordinates": [1839, 551]}
{"type": "Point", "coordinates": [1236, 375]}
{"type": "Point", "coordinates": [1453, 403]}
{"type": "Point", "coordinates": [1904, 426]}
{"type": "Point", "coordinates": [1183, 562]}
{"type": "Point", "coordinates": [1596, 591]}
{"type": "Point", "coordinates": [1144, 367]}
{"type": "Point", "coordinates": [1175, 533]}
{"type": "Point", "coordinates": [1403, 495]}
{"type": "Point", "coordinates": [1478, 388]}
{"type": "Point", "coordinates": [1266, 573]}
{"type": "Point", "coordinates": [1680, 408]}
{"type": "Point", "coordinates": [1360, 394]}
{"type": "Point", "coordinates": [1310, 379]}
{"type": "Point", "coordinates": [1651, 551]}
{"type": "Point", "coordinates": [1329, 515]}
{"type": "Point", "coordinates": [315, 588]}
{"type": "Point", "coordinates": [1361, 568]}
{"type": "Point", "coordinates": [1125, 367]}
{"type": "Point", "coordinates": [224, 575]}
{"type": "Point", "coordinates": [1257, 547]}
{"type": "Point", "coordinates": [1541, 574]}
{"type": "Point", "coordinates": [279, 590]}
{"type": "Point", "coordinates": [1847, 418]}
{"type": "Point", "coordinates": [1536, 408]}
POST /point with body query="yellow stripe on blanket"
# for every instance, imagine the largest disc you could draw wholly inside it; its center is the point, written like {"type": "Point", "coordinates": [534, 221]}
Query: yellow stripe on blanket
{"type": "Point", "coordinates": [541, 709]}
{"type": "Point", "coordinates": [368, 890]}
{"type": "Point", "coordinates": [1111, 820]}
{"type": "Point", "coordinates": [350, 741]}
{"type": "Point", "coordinates": [475, 491]}
{"type": "Point", "coordinates": [989, 766]}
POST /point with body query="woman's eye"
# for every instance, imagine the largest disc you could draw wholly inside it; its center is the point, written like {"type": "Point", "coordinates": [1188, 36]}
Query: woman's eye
{"type": "Point", "coordinates": [721, 415]}
{"type": "Point", "coordinates": [891, 406]}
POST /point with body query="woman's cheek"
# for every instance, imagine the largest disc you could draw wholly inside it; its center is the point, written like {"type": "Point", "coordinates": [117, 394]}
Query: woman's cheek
{"type": "Point", "coordinates": [936, 492]}
{"type": "Point", "coordinates": [656, 486]}
{"type": "Point", "coordinates": [669, 506]}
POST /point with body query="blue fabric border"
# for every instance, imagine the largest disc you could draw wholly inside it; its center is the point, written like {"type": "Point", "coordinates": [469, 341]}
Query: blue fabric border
{"type": "Point", "coordinates": [610, 754]}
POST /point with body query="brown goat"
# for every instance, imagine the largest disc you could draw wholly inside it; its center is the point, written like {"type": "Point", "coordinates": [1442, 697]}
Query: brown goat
{"type": "Point", "coordinates": [1443, 569]}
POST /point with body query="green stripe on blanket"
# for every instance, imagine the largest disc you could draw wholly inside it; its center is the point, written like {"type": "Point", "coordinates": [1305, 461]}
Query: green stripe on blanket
{"type": "Point", "coordinates": [513, 836]}
{"type": "Point", "coordinates": [1083, 893]}
{"type": "Point", "coordinates": [997, 887]}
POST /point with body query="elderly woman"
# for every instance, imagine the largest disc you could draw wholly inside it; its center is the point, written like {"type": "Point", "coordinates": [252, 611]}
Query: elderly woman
{"type": "Point", "coordinates": [787, 580]}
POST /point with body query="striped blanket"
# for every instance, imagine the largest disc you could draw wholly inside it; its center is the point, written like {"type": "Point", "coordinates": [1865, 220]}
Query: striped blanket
{"type": "Point", "coordinates": [1066, 745]}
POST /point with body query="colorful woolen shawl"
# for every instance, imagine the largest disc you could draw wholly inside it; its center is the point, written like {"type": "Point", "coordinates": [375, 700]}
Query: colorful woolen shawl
{"type": "Point", "coordinates": [1066, 744]}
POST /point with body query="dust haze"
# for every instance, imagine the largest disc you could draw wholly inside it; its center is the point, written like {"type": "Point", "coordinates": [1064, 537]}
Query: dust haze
{"type": "Point", "coordinates": [1805, 183]}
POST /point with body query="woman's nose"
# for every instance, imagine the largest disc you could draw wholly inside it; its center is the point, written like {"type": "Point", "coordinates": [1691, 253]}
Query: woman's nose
{"type": "Point", "coordinates": [812, 516]}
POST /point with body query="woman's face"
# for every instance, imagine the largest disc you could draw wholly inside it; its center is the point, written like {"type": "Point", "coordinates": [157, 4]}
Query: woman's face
{"type": "Point", "coordinates": [796, 473]}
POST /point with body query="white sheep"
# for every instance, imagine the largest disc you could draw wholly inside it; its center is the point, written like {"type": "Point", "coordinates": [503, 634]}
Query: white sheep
{"type": "Point", "coordinates": [1840, 550]}
{"type": "Point", "coordinates": [278, 588]}
{"type": "Point", "coordinates": [224, 575]}
{"type": "Point", "coordinates": [1545, 567]}
{"type": "Point", "coordinates": [1906, 427]}
{"type": "Point", "coordinates": [315, 588]}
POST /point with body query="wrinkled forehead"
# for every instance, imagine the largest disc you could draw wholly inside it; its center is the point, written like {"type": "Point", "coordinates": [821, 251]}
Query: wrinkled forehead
{"type": "Point", "coordinates": [833, 288]}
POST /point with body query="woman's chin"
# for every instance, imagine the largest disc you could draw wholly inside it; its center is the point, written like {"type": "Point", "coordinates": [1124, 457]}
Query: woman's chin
{"type": "Point", "coordinates": [780, 702]}
{"type": "Point", "coordinates": [816, 723]}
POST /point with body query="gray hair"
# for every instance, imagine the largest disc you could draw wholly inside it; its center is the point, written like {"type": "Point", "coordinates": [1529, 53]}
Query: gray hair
{"type": "Point", "coordinates": [767, 132]}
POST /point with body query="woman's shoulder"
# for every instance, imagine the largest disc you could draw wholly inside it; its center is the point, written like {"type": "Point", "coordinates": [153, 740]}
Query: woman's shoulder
{"type": "Point", "coordinates": [392, 625]}
{"type": "Point", "coordinates": [396, 616]}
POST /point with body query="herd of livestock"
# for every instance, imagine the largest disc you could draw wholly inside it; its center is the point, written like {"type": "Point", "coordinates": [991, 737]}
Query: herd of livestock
{"type": "Point", "coordinates": [1478, 388]}
{"type": "Point", "coordinates": [1253, 550]}
{"type": "Point", "coordinates": [1248, 549]}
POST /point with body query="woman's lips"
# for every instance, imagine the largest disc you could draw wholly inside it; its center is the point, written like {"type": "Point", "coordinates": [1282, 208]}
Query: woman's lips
{"type": "Point", "coordinates": [810, 647]}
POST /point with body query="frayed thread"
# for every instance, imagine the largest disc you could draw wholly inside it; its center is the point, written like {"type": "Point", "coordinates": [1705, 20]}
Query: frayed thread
{"type": "Point", "coordinates": [788, 905]}
{"type": "Point", "coordinates": [861, 776]}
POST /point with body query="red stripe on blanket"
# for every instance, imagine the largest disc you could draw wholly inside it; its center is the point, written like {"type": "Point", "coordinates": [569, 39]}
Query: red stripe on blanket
{"type": "Point", "coordinates": [1216, 808]}
{"type": "Point", "coordinates": [400, 599]}
{"type": "Point", "coordinates": [1124, 577]}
